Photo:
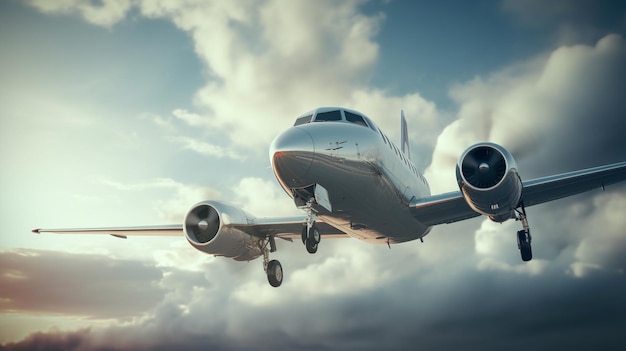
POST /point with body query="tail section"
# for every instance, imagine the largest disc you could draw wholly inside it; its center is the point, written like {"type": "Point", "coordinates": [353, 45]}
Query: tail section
{"type": "Point", "coordinates": [404, 132]}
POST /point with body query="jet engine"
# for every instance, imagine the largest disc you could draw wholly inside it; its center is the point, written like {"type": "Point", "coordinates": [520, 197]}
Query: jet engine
{"type": "Point", "coordinates": [487, 176]}
{"type": "Point", "coordinates": [215, 228]}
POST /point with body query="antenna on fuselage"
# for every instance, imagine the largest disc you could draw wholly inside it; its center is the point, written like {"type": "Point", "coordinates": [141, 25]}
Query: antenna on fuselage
{"type": "Point", "coordinates": [404, 136]}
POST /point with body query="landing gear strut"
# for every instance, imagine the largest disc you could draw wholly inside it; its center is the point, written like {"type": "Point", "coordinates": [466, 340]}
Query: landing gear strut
{"type": "Point", "coordinates": [273, 268]}
{"type": "Point", "coordinates": [310, 234]}
{"type": "Point", "coordinates": [523, 236]}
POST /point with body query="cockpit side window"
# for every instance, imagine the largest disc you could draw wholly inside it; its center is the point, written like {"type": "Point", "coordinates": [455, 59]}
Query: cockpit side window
{"type": "Point", "coordinates": [328, 116]}
{"type": "Point", "coordinates": [303, 120]}
{"type": "Point", "coordinates": [354, 118]}
{"type": "Point", "coordinates": [371, 124]}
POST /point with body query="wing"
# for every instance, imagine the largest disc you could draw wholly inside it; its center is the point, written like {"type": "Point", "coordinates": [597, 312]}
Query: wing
{"type": "Point", "coordinates": [538, 191]}
{"type": "Point", "coordinates": [444, 208]}
{"type": "Point", "coordinates": [452, 207]}
{"type": "Point", "coordinates": [121, 232]}
{"type": "Point", "coordinates": [285, 228]}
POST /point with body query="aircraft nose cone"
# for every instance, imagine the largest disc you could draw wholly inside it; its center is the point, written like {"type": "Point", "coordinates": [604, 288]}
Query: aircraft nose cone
{"type": "Point", "coordinates": [291, 155]}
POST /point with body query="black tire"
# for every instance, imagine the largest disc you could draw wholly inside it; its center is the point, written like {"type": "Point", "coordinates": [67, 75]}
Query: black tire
{"type": "Point", "coordinates": [525, 249]}
{"type": "Point", "coordinates": [311, 246]}
{"type": "Point", "coordinates": [274, 273]}
{"type": "Point", "coordinates": [314, 235]}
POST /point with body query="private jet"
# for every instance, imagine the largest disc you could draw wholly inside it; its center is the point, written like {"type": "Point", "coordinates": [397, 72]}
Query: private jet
{"type": "Point", "coordinates": [351, 180]}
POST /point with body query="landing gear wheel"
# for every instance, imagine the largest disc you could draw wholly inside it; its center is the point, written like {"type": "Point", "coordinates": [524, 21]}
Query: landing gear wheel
{"type": "Point", "coordinates": [312, 240]}
{"type": "Point", "coordinates": [274, 273]}
{"type": "Point", "coordinates": [523, 242]}
{"type": "Point", "coordinates": [304, 234]}
{"type": "Point", "coordinates": [314, 235]}
{"type": "Point", "coordinates": [311, 246]}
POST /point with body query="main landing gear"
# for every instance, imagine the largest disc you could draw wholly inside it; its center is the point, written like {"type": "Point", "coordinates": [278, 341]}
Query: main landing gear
{"type": "Point", "coordinates": [523, 236]}
{"type": "Point", "coordinates": [273, 268]}
{"type": "Point", "coordinates": [310, 234]}
{"type": "Point", "coordinates": [310, 238]}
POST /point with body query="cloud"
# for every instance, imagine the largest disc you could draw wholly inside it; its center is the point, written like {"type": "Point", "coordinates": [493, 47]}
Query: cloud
{"type": "Point", "coordinates": [570, 21]}
{"type": "Point", "coordinates": [260, 72]}
{"type": "Point", "coordinates": [443, 307]}
{"type": "Point", "coordinates": [104, 13]}
{"type": "Point", "coordinates": [605, 247]}
{"type": "Point", "coordinates": [263, 198]}
{"type": "Point", "coordinates": [558, 112]}
{"type": "Point", "coordinates": [207, 149]}
{"type": "Point", "coordinates": [47, 282]}
{"type": "Point", "coordinates": [170, 207]}
{"type": "Point", "coordinates": [268, 62]}
{"type": "Point", "coordinates": [538, 108]}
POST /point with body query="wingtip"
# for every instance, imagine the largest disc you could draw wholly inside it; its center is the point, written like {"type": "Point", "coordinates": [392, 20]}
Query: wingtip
{"type": "Point", "coordinates": [36, 231]}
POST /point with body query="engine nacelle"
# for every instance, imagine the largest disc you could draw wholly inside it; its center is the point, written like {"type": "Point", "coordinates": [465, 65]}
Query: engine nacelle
{"type": "Point", "coordinates": [487, 176]}
{"type": "Point", "coordinates": [210, 226]}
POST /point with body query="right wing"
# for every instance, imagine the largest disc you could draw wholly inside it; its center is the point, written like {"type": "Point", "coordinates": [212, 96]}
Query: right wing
{"type": "Point", "coordinates": [452, 207]}
{"type": "Point", "coordinates": [540, 190]}
{"type": "Point", "coordinates": [444, 208]}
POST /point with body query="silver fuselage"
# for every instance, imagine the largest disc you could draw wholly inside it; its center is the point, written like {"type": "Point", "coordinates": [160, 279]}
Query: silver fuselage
{"type": "Point", "coordinates": [370, 182]}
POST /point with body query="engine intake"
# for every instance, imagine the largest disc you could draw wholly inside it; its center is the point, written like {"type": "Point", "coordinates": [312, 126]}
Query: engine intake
{"type": "Point", "coordinates": [487, 176]}
{"type": "Point", "coordinates": [203, 222]}
{"type": "Point", "coordinates": [483, 167]}
{"type": "Point", "coordinates": [215, 228]}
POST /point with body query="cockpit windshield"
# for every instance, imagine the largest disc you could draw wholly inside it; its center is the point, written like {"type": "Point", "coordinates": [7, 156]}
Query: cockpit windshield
{"type": "Point", "coordinates": [354, 118]}
{"type": "Point", "coordinates": [339, 115]}
{"type": "Point", "coordinates": [303, 120]}
{"type": "Point", "coordinates": [328, 116]}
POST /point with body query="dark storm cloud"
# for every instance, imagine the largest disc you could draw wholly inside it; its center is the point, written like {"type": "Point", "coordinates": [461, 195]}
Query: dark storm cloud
{"type": "Point", "coordinates": [33, 281]}
{"type": "Point", "coordinates": [484, 311]}
{"type": "Point", "coordinates": [571, 21]}
{"type": "Point", "coordinates": [565, 110]}
{"type": "Point", "coordinates": [585, 125]}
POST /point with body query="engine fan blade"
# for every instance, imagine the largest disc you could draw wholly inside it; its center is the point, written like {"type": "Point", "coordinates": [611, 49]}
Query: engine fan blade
{"type": "Point", "coordinates": [213, 218]}
{"type": "Point", "coordinates": [483, 167]}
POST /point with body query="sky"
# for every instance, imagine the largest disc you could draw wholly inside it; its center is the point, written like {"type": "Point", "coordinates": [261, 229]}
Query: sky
{"type": "Point", "coordinates": [127, 112]}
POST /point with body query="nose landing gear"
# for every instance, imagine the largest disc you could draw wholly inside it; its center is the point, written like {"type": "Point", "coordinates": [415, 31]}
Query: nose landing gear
{"type": "Point", "coordinates": [310, 234]}
{"type": "Point", "coordinates": [311, 238]}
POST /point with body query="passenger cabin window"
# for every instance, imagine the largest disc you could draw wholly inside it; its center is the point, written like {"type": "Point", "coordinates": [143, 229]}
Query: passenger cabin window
{"type": "Point", "coordinates": [328, 116]}
{"type": "Point", "coordinates": [303, 120]}
{"type": "Point", "coordinates": [354, 118]}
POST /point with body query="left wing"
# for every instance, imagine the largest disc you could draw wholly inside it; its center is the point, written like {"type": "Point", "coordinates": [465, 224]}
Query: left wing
{"type": "Point", "coordinates": [452, 207]}
{"type": "Point", "coordinates": [285, 228]}
{"type": "Point", "coordinates": [121, 232]}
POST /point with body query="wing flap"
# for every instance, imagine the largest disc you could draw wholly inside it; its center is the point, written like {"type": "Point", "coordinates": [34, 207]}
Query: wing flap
{"type": "Point", "coordinates": [287, 228]}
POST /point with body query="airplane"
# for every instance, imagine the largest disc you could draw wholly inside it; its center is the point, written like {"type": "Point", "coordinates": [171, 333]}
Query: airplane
{"type": "Point", "coordinates": [351, 180]}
